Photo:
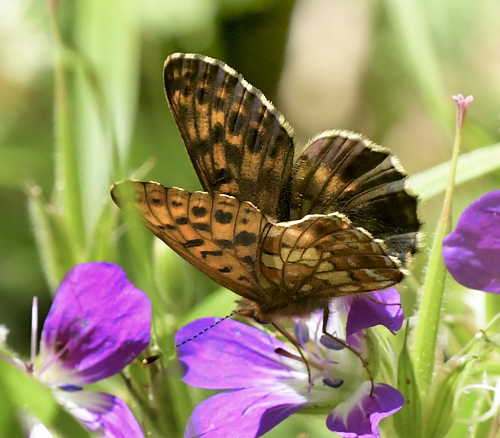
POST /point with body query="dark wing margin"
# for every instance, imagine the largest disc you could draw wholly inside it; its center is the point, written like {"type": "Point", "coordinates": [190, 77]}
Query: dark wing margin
{"type": "Point", "coordinates": [345, 172]}
{"type": "Point", "coordinates": [239, 144]}
{"type": "Point", "coordinates": [218, 234]}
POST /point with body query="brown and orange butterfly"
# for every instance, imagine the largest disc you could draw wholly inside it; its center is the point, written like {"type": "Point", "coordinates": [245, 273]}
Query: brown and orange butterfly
{"type": "Point", "coordinates": [286, 234]}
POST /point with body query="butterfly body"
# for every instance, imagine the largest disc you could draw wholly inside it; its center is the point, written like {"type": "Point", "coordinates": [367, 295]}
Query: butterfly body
{"type": "Point", "coordinates": [287, 237]}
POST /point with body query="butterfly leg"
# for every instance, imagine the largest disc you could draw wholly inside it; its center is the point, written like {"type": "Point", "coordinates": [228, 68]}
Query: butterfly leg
{"type": "Point", "coordinates": [288, 336]}
{"type": "Point", "coordinates": [326, 316]}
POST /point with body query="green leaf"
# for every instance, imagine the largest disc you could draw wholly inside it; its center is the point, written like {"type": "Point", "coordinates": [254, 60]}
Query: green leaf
{"type": "Point", "coordinates": [472, 404]}
{"type": "Point", "coordinates": [100, 244]}
{"type": "Point", "coordinates": [441, 401]}
{"type": "Point", "coordinates": [433, 181]}
{"type": "Point", "coordinates": [382, 359]}
{"type": "Point", "coordinates": [412, 31]}
{"type": "Point", "coordinates": [106, 90]}
{"type": "Point", "coordinates": [38, 400]}
{"type": "Point", "coordinates": [51, 253]}
{"type": "Point", "coordinates": [67, 189]}
{"type": "Point", "coordinates": [408, 420]}
{"type": "Point", "coordinates": [9, 420]}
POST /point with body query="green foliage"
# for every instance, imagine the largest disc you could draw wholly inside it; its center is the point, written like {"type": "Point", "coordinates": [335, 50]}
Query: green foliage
{"type": "Point", "coordinates": [408, 421]}
{"type": "Point", "coordinates": [37, 401]}
{"type": "Point", "coordinates": [86, 108]}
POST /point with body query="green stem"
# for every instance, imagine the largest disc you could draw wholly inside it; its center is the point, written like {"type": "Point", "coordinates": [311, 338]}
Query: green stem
{"type": "Point", "coordinates": [426, 331]}
{"type": "Point", "coordinates": [67, 184]}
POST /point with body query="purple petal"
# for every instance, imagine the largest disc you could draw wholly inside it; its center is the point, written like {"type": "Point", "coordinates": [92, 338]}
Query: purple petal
{"type": "Point", "coordinates": [231, 355]}
{"type": "Point", "coordinates": [472, 252]}
{"type": "Point", "coordinates": [98, 323]}
{"type": "Point", "coordinates": [245, 413]}
{"type": "Point", "coordinates": [359, 416]}
{"type": "Point", "coordinates": [102, 412]}
{"type": "Point", "coordinates": [375, 308]}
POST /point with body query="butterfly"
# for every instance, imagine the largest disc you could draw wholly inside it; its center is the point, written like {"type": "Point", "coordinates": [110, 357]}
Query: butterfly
{"type": "Point", "coordinates": [286, 230]}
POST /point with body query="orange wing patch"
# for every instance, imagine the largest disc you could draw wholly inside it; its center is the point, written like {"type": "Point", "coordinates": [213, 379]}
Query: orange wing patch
{"type": "Point", "coordinates": [218, 234]}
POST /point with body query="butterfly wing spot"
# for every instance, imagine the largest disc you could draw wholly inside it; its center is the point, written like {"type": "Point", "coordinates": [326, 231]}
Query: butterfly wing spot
{"type": "Point", "coordinates": [223, 217]}
{"type": "Point", "coordinates": [224, 243]}
{"type": "Point", "coordinates": [201, 227]}
{"type": "Point", "coordinates": [249, 260]}
{"type": "Point", "coordinates": [200, 95]}
{"type": "Point", "coordinates": [200, 214]}
{"type": "Point", "coordinates": [222, 177]}
{"type": "Point", "coordinates": [271, 261]}
{"type": "Point", "coordinates": [199, 211]}
{"type": "Point", "coordinates": [216, 253]}
{"type": "Point", "coordinates": [325, 267]}
{"type": "Point", "coordinates": [245, 238]}
{"type": "Point", "coordinates": [194, 243]}
{"type": "Point", "coordinates": [235, 121]}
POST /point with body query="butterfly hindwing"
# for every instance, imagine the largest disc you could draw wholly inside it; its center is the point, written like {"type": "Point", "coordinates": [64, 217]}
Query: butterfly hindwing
{"type": "Point", "coordinates": [326, 255]}
{"type": "Point", "coordinates": [216, 233]}
{"type": "Point", "coordinates": [240, 145]}
{"type": "Point", "coordinates": [345, 172]}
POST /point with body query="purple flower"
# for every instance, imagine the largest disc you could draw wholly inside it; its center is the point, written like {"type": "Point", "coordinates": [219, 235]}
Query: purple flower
{"type": "Point", "coordinates": [376, 308]}
{"type": "Point", "coordinates": [269, 381]}
{"type": "Point", "coordinates": [472, 252]}
{"type": "Point", "coordinates": [98, 323]}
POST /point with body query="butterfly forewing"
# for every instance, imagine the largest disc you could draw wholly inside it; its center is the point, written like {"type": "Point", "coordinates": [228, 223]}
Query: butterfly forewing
{"type": "Point", "coordinates": [345, 172]}
{"type": "Point", "coordinates": [217, 234]}
{"type": "Point", "coordinates": [240, 145]}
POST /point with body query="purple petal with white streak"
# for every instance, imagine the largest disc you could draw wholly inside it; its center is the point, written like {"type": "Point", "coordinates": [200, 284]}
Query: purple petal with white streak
{"type": "Point", "coordinates": [98, 323]}
{"type": "Point", "coordinates": [359, 416]}
{"type": "Point", "coordinates": [101, 412]}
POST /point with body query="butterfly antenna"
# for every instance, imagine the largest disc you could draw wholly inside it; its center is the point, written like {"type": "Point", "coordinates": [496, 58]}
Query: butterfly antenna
{"type": "Point", "coordinates": [233, 313]}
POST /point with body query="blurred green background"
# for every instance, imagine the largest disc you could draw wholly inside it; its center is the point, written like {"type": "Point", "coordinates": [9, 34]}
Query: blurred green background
{"type": "Point", "coordinates": [386, 68]}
